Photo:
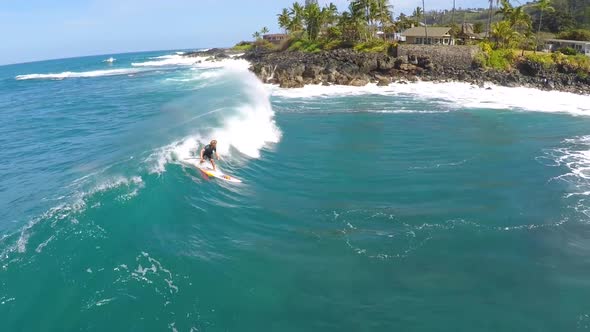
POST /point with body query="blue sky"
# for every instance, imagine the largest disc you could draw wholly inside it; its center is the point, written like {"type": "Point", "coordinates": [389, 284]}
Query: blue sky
{"type": "Point", "coordinates": [40, 29]}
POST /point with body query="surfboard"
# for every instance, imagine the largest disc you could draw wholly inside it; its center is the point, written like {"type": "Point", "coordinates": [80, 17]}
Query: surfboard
{"type": "Point", "coordinates": [207, 169]}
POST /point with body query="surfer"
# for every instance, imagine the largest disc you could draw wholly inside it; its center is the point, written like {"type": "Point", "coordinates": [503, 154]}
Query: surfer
{"type": "Point", "coordinates": [207, 153]}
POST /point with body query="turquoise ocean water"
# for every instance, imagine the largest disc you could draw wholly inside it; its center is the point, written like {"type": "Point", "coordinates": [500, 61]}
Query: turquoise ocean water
{"type": "Point", "coordinates": [421, 207]}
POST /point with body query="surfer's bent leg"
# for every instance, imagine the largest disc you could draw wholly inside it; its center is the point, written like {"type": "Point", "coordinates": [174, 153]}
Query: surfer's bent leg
{"type": "Point", "coordinates": [212, 163]}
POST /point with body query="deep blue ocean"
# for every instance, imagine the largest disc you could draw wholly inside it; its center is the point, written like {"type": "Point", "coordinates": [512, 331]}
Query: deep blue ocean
{"type": "Point", "coordinates": [413, 207]}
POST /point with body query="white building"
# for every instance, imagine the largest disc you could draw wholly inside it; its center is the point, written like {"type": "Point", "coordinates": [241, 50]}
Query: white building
{"type": "Point", "coordinates": [582, 47]}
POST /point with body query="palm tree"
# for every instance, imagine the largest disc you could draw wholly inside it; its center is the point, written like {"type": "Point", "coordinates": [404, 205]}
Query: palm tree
{"type": "Point", "coordinates": [516, 16]}
{"type": "Point", "coordinates": [256, 35]}
{"type": "Point", "coordinates": [264, 30]}
{"type": "Point", "coordinates": [453, 14]}
{"type": "Point", "coordinates": [491, 14]}
{"type": "Point", "coordinates": [384, 12]}
{"type": "Point", "coordinates": [417, 13]}
{"type": "Point", "coordinates": [519, 20]}
{"type": "Point", "coordinates": [425, 27]}
{"type": "Point", "coordinates": [503, 33]}
{"type": "Point", "coordinates": [312, 17]}
{"type": "Point", "coordinates": [284, 19]}
{"type": "Point", "coordinates": [359, 17]}
{"type": "Point", "coordinates": [543, 6]}
{"type": "Point", "coordinates": [329, 14]}
{"type": "Point", "coordinates": [506, 10]}
{"type": "Point", "coordinates": [296, 13]}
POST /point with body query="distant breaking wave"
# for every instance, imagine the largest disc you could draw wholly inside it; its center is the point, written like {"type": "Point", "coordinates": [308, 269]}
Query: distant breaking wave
{"type": "Point", "coordinates": [167, 60]}
{"type": "Point", "coordinates": [72, 74]}
{"type": "Point", "coordinates": [203, 62]}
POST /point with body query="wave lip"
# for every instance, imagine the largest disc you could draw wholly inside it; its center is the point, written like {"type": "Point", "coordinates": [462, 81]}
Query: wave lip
{"type": "Point", "coordinates": [83, 74]}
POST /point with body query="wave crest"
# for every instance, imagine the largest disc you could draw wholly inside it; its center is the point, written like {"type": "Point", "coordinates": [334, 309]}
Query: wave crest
{"type": "Point", "coordinates": [84, 74]}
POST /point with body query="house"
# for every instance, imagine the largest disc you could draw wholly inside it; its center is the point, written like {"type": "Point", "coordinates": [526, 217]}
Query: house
{"type": "Point", "coordinates": [436, 36]}
{"type": "Point", "coordinates": [582, 47]}
{"type": "Point", "coordinates": [275, 38]}
{"type": "Point", "coordinates": [467, 34]}
{"type": "Point", "coordinates": [390, 36]}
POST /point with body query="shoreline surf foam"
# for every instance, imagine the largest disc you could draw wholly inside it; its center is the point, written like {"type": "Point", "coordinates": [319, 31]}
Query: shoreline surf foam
{"type": "Point", "coordinates": [457, 94]}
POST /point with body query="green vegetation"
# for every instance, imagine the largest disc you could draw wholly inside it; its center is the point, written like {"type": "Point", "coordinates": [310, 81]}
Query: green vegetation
{"type": "Point", "coordinates": [365, 23]}
{"type": "Point", "coordinates": [305, 45]}
{"type": "Point", "coordinates": [243, 46]}
{"type": "Point", "coordinates": [515, 32]}
{"type": "Point", "coordinates": [567, 51]}
{"type": "Point", "coordinates": [579, 34]}
{"type": "Point", "coordinates": [577, 10]}
{"type": "Point", "coordinates": [373, 46]}
{"type": "Point", "coordinates": [566, 15]}
{"type": "Point", "coordinates": [514, 41]}
{"type": "Point", "coordinates": [499, 59]}
{"type": "Point", "coordinates": [544, 59]}
{"type": "Point", "coordinates": [313, 28]}
{"type": "Point", "coordinates": [507, 59]}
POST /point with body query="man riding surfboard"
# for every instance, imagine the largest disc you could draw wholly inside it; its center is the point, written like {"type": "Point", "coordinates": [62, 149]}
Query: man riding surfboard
{"type": "Point", "coordinates": [207, 153]}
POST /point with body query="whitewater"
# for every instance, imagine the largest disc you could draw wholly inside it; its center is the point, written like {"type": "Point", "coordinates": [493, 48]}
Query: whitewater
{"type": "Point", "coordinates": [410, 206]}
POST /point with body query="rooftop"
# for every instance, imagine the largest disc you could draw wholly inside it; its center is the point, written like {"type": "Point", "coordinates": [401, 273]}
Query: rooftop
{"type": "Point", "coordinates": [568, 41]}
{"type": "Point", "coordinates": [275, 35]}
{"type": "Point", "coordinates": [432, 32]}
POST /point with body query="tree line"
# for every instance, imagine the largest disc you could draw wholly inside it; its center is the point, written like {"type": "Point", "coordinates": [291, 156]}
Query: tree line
{"type": "Point", "coordinates": [358, 23]}
{"type": "Point", "coordinates": [368, 20]}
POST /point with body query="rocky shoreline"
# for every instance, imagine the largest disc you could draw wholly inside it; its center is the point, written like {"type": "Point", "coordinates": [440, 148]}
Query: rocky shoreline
{"type": "Point", "coordinates": [348, 67]}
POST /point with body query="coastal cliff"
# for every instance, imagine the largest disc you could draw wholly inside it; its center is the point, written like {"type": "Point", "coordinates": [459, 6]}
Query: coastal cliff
{"type": "Point", "coordinates": [406, 63]}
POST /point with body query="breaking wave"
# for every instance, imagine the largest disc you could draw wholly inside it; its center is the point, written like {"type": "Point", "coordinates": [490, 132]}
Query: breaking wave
{"type": "Point", "coordinates": [83, 74]}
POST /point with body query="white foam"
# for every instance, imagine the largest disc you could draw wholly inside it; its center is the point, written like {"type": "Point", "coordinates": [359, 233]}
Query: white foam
{"type": "Point", "coordinates": [44, 244]}
{"type": "Point", "coordinates": [456, 93]}
{"type": "Point", "coordinates": [167, 60]}
{"type": "Point", "coordinates": [253, 126]}
{"type": "Point", "coordinates": [194, 61]}
{"type": "Point", "coordinates": [237, 65]}
{"type": "Point", "coordinates": [575, 156]}
{"type": "Point", "coordinates": [77, 205]}
{"type": "Point", "coordinates": [198, 74]}
{"type": "Point", "coordinates": [84, 74]}
{"type": "Point", "coordinates": [169, 56]}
